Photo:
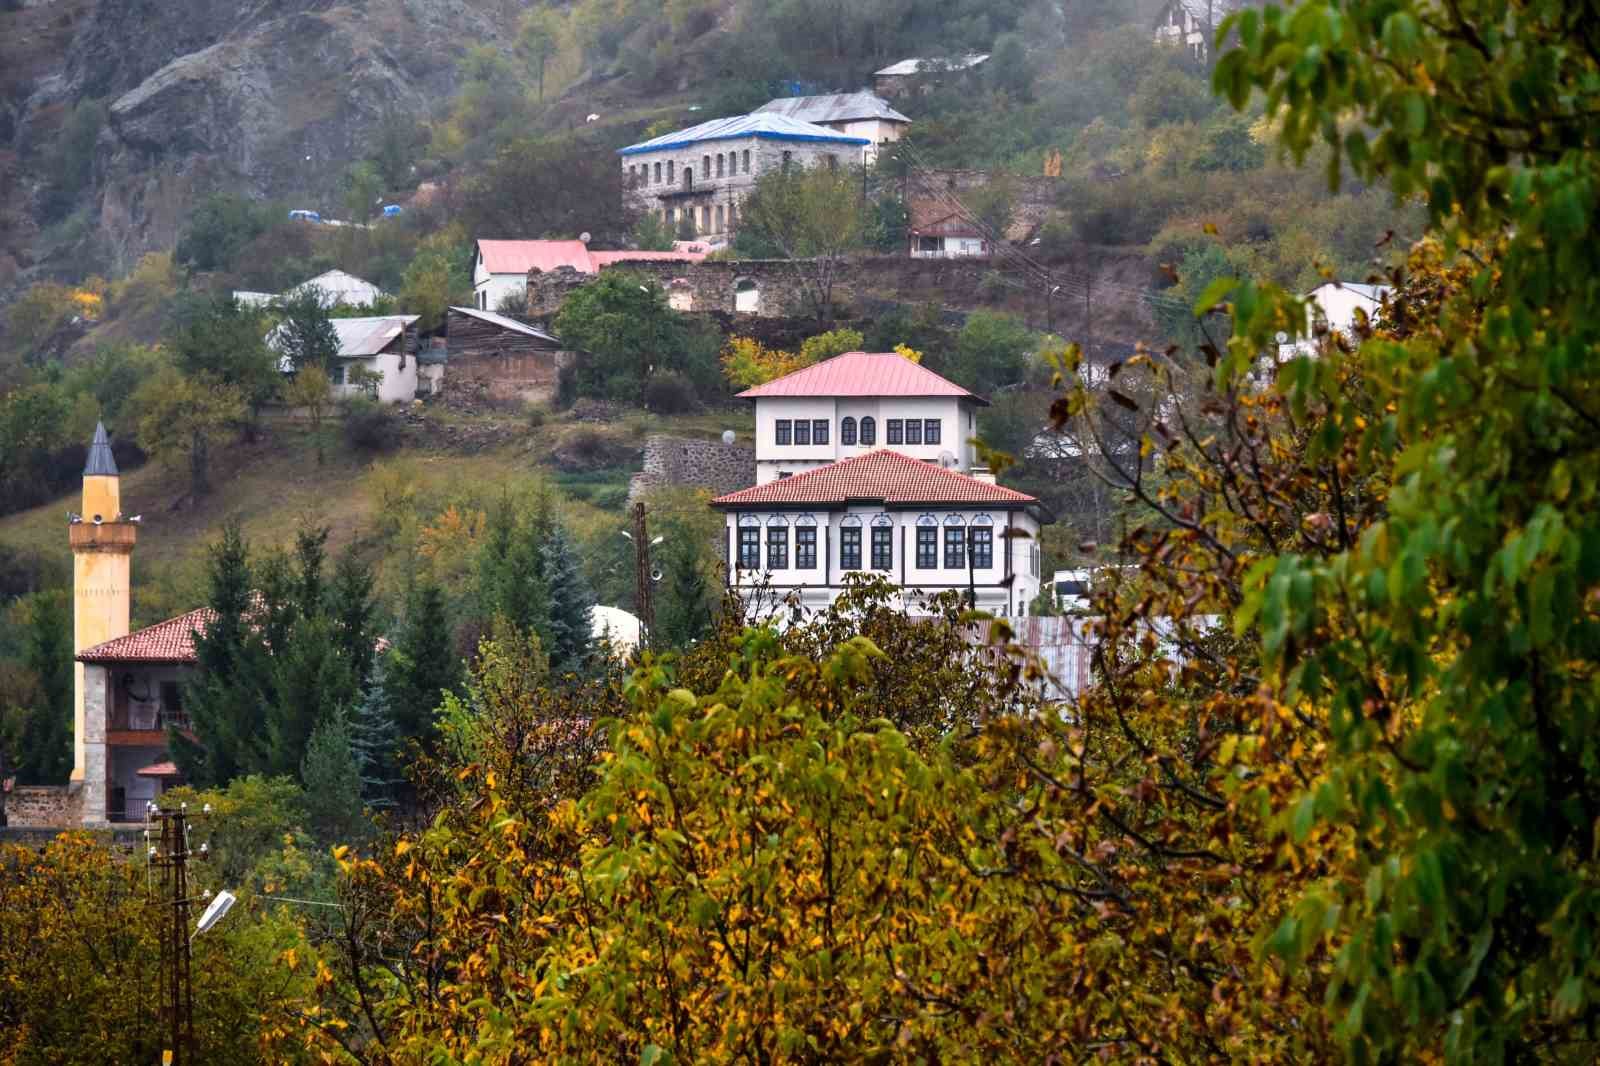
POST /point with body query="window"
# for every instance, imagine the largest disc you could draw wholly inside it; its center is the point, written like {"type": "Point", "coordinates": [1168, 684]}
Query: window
{"type": "Point", "coordinates": [705, 219]}
{"type": "Point", "coordinates": [788, 158]}
{"type": "Point", "coordinates": [658, 173]}
{"type": "Point", "coordinates": [982, 548]}
{"type": "Point", "coordinates": [850, 548]}
{"type": "Point", "coordinates": [805, 548]}
{"type": "Point", "coordinates": [869, 430]}
{"type": "Point", "coordinates": [819, 431]}
{"type": "Point", "coordinates": [705, 168]}
{"type": "Point", "coordinates": [897, 432]}
{"type": "Point", "coordinates": [931, 431]}
{"type": "Point", "coordinates": [780, 432]}
{"type": "Point", "coordinates": [955, 548]}
{"type": "Point", "coordinates": [927, 543]}
{"type": "Point", "coordinates": [669, 171]}
{"type": "Point", "coordinates": [719, 218]}
{"type": "Point", "coordinates": [913, 431]}
{"type": "Point", "coordinates": [171, 696]}
{"type": "Point", "coordinates": [336, 372]}
{"type": "Point", "coordinates": [719, 164]}
{"type": "Point", "coordinates": [802, 431]}
{"type": "Point", "coordinates": [747, 160]}
{"type": "Point", "coordinates": [883, 547]}
{"type": "Point", "coordinates": [833, 161]}
{"type": "Point", "coordinates": [847, 431]}
{"type": "Point", "coordinates": [750, 547]}
{"type": "Point", "coordinates": [777, 547]}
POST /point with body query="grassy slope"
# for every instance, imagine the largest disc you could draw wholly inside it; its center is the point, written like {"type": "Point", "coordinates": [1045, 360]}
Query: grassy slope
{"type": "Point", "coordinates": [275, 487]}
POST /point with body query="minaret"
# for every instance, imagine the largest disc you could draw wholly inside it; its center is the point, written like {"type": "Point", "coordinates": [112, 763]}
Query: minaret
{"type": "Point", "coordinates": [102, 550]}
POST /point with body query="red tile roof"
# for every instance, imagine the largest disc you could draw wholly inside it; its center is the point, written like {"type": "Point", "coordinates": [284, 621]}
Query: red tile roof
{"type": "Point", "coordinates": [171, 641]}
{"type": "Point", "coordinates": [880, 476]}
{"type": "Point", "coordinates": [519, 257]}
{"type": "Point", "coordinates": [165, 768]}
{"type": "Point", "coordinates": [861, 374]}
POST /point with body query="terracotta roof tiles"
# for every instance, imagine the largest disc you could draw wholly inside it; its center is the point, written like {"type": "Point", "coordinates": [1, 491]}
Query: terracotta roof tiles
{"type": "Point", "coordinates": [879, 476]}
{"type": "Point", "coordinates": [171, 641]}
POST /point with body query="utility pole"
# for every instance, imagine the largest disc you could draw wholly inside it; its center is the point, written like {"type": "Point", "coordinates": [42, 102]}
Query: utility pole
{"type": "Point", "coordinates": [177, 993]}
{"type": "Point", "coordinates": [641, 553]}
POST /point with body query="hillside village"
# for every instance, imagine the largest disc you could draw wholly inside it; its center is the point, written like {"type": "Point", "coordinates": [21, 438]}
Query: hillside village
{"type": "Point", "coordinates": [795, 532]}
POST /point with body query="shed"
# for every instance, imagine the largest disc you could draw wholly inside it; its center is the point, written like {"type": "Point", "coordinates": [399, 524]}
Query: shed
{"type": "Point", "coordinates": [512, 359]}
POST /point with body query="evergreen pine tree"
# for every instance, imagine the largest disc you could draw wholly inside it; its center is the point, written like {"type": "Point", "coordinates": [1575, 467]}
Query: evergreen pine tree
{"type": "Point", "coordinates": [307, 336]}
{"type": "Point", "coordinates": [223, 696]}
{"type": "Point", "coordinates": [349, 604]}
{"type": "Point", "coordinates": [423, 665]}
{"type": "Point", "coordinates": [683, 615]}
{"type": "Point", "coordinates": [43, 741]}
{"type": "Point", "coordinates": [332, 779]}
{"type": "Point", "coordinates": [511, 578]}
{"type": "Point", "coordinates": [310, 678]}
{"type": "Point", "coordinates": [569, 634]}
{"type": "Point", "coordinates": [375, 741]}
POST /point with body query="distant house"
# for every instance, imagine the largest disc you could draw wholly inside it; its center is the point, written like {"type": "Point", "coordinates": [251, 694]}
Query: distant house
{"type": "Point", "coordinates": [704, 173]}
{"type": "Point", "coordinates": [501, 268]}
{"type": "Point", "coordinates": [938, 231]}
{"type": "Point", "coordinates": [1192, 24]}
{"type": "Point", "coordinates": [512, 359]}
{"type": "Point", "coordinates": [899, 78]}
{"type": "Point", "coordinates": [385, 345]}
{"type": "Point", "coordinates": [336, 288]}
{"type": "Point", "coordinates": [1333, 307]}
{"type": "Point", "coordinates": [857, 114]}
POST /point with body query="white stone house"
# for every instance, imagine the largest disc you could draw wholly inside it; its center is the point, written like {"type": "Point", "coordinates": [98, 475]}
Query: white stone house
{"type": "Point", "coordinates": [335, 287]}
{"type": "Point", "coordinates": [858, 114]}
{"type": "Point", "coordinates": [858, 402]}
{"type": "Point", "coordinates": [864, 462]}
{"type": "Point", "coordinates": [500, 268]}
{"type": "Point", "coordinates": [1334, 307]}
{"type": "Point", "coordinates": [385, 345]}
{"type": "Point", "coordinates": [1192, 24]}
{"type": "Point", "coordinates": [705, 172]}
{"type": "Point", "coordinates": [924, 528]}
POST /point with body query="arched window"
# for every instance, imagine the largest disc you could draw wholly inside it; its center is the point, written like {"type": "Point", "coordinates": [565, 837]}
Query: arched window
{"type": "Point", "coordinates": [955, 542]}
{"type": "Point", "coordinates": [850, 543]}
{"type": "Point", "coordinates": [746, 296]}
{"type": "Point", "coordinates": [927, 542]}
{"type": "Point", "coordinates": [869, 430]}
{"type": "Point", "coordinates": [749, 557]}
{"type": "Point", "coordinates": [705, 167]}
{"type": "Point", "coordinates": [719, 164]}
{"type": "Point", "coordinates": [777, 543]}
{"type": "Point", "coordinates": [981, 538]}
{"type": "Point", "coordinates": [883, 543]}
{"type": "Point", "coordinates": [747, 160]}
{"type": "Point", "coordinates": [847, 431]}
{"type": "Point", "coordinates": [719, 213]}
{"type": "Point", "coordinates": [805, 543]}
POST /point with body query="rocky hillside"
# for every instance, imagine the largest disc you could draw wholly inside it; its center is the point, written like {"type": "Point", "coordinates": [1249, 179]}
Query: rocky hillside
{"type": "Point", "coordinates": [270, 98]}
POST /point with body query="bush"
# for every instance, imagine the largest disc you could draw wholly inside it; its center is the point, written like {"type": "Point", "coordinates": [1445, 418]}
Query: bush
{"type": "Point", "coordinates": [670, 393]}
{"type": "Point", "coordinates": [370, 426]}
{"type": "Point", "coordinates": [537, 415]}
{"type": "Point", "coordinates": [589, 448]}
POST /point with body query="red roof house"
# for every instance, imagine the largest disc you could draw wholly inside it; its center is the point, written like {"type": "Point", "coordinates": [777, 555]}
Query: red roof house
{"type": "Point", "coordinates": [880, 477]}
{"type": "Point", "coordinates": [860, 374]}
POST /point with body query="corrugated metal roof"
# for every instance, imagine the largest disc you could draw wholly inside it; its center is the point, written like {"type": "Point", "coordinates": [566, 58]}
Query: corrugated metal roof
{"type": "Point", "coordinates": [834, 107]}
{"type": "Point", "coordinates": [763, 124]}
{"type": "Point", "coordinates": [506, 323]}
{"type": "Point", "coordinates": [916, 66]}
{"type": "Point", "coordinates": [861, 374]}
{"type": "Point", "coordinates": [879, 476]}
{"type": "Point", "coordinates": [360, 337]}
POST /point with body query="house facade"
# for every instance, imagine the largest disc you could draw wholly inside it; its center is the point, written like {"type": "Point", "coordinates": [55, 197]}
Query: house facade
{"type": "Point", "coordinates": [937, 231]}
{"type": "Point", "coordinates": [705, 172]}
{"type": "Point", "coordinates": [382, 345]}
{"type": "Point", "coordinates": [501, 268]}
{"type": "Point", "coordinates": [1191, 24]}
{"type": "Point", "coordinates": [924, 528]}
{"type": "Point", "coordinates": [856, 403]}
{"type": "Point", "coordinates": [849, 481]}
{"type": "Point", "coordinates": [510, 359]}
{"type": "Point", "coordinates": [859, 114]}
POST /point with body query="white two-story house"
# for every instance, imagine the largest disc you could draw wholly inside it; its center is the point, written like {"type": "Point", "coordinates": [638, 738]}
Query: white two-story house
{"type": "Point", "coordinates": [916, 512]}
{"type": "Point", "coordinates": [854, 403]}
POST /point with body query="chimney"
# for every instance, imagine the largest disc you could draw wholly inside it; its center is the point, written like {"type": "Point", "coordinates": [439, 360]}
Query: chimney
{"type": "Point", "coordinates": [983, 474]}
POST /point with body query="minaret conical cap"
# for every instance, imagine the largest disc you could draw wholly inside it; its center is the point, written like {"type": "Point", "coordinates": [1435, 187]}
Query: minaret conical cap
{"type": "Point", "coordinates": [101, 462]}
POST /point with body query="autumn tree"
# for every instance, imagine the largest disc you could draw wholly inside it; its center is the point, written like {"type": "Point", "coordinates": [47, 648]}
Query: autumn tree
{"type": "Point", "coordinates": [815, 217]}
{"type": "Point", "coordinates": [181, 416]}
{"type": "Point", "coordinates": [310, 391]}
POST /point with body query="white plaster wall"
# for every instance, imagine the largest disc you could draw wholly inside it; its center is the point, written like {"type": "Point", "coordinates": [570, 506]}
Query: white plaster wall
{"type": "Point", "coordinates": [818, 586]}
{"type": "Point", "coordinates": [126, 762]}
{"type": "Point", "coordinates": [1337, 307]}
{"type": "Point", "coordinates": [399, 384]}
{"type": "Point", "coordinates": [489, 289]}
{"type": "Point", "coordinates": [957, 427]}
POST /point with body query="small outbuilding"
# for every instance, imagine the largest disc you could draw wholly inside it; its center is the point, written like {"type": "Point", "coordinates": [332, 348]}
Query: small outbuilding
{"type": "Point", "coordinates": [512, 359]}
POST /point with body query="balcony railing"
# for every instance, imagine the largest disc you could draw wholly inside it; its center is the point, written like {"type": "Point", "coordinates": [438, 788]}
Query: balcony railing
{"type": "Point", "coordinates": [141, 718]}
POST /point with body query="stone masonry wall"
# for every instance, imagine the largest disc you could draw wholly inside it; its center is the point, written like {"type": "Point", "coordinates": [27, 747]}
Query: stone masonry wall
{"type": "Point", "coordinates": [706, 286]}
{"type": "Point", "coordinates": [700, 464]}
{"type": "Point", "coordinates": [44, 806]}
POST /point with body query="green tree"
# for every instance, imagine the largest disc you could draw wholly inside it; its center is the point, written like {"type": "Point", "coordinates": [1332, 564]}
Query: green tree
{"type": "Point", "coordinates": [218, 229]}
{"type": "Point", "coordinates": [331, 773]}
{"type": "Point", "coordinates": [622, 324]}
{"type": "Point", "coordinates": [567, 638]}
{"type": "Point", "coordinates": [376, 741]}
{"type": "Point", "coordinates": [180, 416]}
{"type": "Point", "coordinates": [652, 234]}
{"type": "Point", "coordinates": [36, 711]}
{"type": "Point", "coordinates": [221, 341]}
{"type": "Point", "coordinates": [363, 188]}
{"type": "Point", "coordinates": [305, 336]}
{"type": "Point", "coordinates": [685, 604]}
{"type": "Point", "coordinates": [422, 666]}
{"type": "Point", "coordinates": [310, 391]}
{"type": "Point", "coordinates": [992, 350]}
{"type": "Point", "coordinates": [537, 38]}
{"type": "Point", "coordinates": [815, 217]}
{"type": "Point", "coordinates": [429, 287]}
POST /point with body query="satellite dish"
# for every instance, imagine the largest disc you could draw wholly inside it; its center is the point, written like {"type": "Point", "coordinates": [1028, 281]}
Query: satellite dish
{"type": "Point", "coordinates": [584, 236]}
{"type": "Point", "coordinates": [213, 914]}
{"type": "Point", "coordinates": [947, 459]}
{"type": "Point", "coordinates": [655, 574]}
{"type": "Point", "coordinates": [98, 520]}
{"type": "Point", "coordinates": [728, 436]}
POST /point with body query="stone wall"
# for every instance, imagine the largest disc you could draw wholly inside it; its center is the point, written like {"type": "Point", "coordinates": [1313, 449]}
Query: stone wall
{"type": "Point", "coordinates": [692, 463]}
{"type": "Point", "coordinates": [44, 806]}
{"type": "Point", "coordinates": [706, 286]}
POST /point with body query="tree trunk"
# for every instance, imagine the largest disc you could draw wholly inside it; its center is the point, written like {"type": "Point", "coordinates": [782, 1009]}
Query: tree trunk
{"type": "Point", "coordinates": [199, 484]}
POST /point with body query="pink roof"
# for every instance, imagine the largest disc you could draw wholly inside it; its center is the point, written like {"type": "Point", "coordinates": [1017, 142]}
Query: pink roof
{"type": "Point", "coordinates": [166, 768]}
{"type": "Point", "coordinates": [861, 374]}
{"type": "Point", "coordinates": [171, 641]}
{"type": "Point", "coordinates": [879, 476]}
{"type": "Point", "coordinates": [520, 257]}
